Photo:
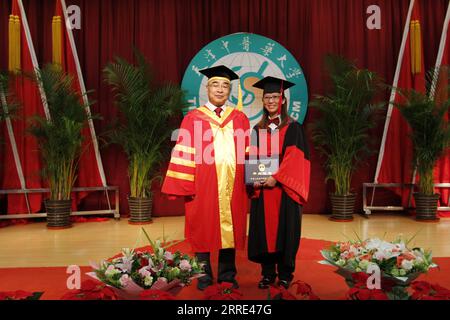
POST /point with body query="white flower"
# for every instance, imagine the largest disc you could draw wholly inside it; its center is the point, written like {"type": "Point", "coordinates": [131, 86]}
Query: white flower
{"type": "Point", "coordinates": [407, 264]}
{"type": "Point", "coordinates": [124, 280]}
{"type": "Point", "coordinates": [148, 281]}
{"type": "Point", "coordinates": [374, 243]}
{"type": "Point", "coordinates": [379, 255]}
{"type": "Point", "coordinates": [418, 261]}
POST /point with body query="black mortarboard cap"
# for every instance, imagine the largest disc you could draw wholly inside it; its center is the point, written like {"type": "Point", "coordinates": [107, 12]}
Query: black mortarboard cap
{"type": "Point", "coordinates": [272, 84]}
{"type": "Point", "coordinates": [220, 71]}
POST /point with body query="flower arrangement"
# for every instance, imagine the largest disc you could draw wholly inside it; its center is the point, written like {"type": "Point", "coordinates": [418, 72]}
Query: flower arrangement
{"type": "Point", "coordinates": [395, 259]}
{"type": "Point", "coordinates": [398, 264]}
{"type": "Point", "coordinates": [159, 269]}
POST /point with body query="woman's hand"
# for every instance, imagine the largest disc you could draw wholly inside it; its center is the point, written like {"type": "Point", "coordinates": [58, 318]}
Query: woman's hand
{"type": "Point", "coordinates": [257, 185]}
{"type": "Point", "coordinates": [270, 182]}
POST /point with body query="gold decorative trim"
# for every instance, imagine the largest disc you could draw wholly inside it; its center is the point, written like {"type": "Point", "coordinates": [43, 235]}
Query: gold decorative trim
{"type": "Point", "coordinates": [179, 175]}
{"type": "Point", "coordinates": [183, 162]}
{"type": "Point", "coordinates": [219, 78]}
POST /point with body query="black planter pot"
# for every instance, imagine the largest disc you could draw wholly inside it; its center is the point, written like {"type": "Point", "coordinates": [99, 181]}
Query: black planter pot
{"type": "Point", "coordinates": [140, 210]}
{"type": "Point", "coordinates": [58, 213]}
{"type": "Point", "coordinates": [426, 207]}
{"type": "Point", "coordinates": [342, 207]}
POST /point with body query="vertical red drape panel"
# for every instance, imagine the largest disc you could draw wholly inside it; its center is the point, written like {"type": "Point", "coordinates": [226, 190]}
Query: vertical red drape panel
{"type": "Point", "coordinates": [171, 32]}
{"type": "Point", "coordinates": [27, 94]}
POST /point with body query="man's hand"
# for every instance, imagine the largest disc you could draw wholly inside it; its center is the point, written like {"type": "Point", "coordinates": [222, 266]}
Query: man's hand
{"type": "Point", "coordinates": [270, 182]}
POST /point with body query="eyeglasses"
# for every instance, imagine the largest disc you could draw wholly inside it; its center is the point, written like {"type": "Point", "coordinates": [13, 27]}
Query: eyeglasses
{"type": "Point", "coordinates": [268, 98]}
{"type": "Point", "coordinates": [216, 85]}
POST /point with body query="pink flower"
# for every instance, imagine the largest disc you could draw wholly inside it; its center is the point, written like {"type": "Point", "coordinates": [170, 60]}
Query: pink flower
{"type": "Point", "coordinates": [185, 265]}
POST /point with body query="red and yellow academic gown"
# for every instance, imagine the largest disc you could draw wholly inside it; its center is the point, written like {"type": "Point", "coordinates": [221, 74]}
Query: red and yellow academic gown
{"type": "Point", "coordinates": [275, 214]}
{"type": "Point", "coordinates": [204, 168]}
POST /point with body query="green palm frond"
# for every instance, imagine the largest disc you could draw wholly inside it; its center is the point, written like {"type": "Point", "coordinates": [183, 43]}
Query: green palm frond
{"type": "Point", "coordinates": [430, 133]}
{"type": "Point", "coordinates": [341, 134]}
{"type": "Point", "coordinates": [11, 106]}
{"type": "Point", "coordinates": [145, 127]}
{"type": "Point", "coordinates": [60, 139]}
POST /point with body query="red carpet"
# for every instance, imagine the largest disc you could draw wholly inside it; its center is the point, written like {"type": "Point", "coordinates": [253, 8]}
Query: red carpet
{"type": "Point", "coordinates": [325, 283]}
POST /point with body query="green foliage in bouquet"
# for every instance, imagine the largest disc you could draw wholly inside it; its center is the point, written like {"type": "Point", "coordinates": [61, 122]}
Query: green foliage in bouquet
{"type": "Point", "coordinates": [145, 128]}
{"type": "Point", "coordinates": [341, 133]}
{"type": "Point", "coordinates": [426, 115]}
{"type": "Point", "coordinates": [60, 138]}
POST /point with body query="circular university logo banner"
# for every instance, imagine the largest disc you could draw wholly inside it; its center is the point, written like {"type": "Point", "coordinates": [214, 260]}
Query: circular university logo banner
{"type": "Point", "coordinates": [252, 57]}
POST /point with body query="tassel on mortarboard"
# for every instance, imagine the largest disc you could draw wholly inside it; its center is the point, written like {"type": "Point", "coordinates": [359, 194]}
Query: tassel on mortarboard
{"type": "Point", "coordinates": [239, 104]}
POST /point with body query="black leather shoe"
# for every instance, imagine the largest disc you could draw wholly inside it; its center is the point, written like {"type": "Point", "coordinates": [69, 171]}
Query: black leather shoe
{"type": "Point", "coordinates": [265, 282]}
{"type": "Point", "coordinates": [204, 282]}
{"type": "Point", "coordinates": [284, 283]}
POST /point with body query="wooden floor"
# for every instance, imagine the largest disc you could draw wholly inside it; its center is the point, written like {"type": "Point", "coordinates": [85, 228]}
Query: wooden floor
{"type": "Point", "coordinates": [33, 245]}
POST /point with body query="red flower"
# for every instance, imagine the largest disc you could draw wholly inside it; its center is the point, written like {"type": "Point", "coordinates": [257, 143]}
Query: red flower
{"type": "Point", "coordinates": [16, 295]}
{"type": "Point", "coordinates": [280, 293]}
{"type": "Point", "coordinates": [305, 290]}
{"type": "Point", "coordinates": [421, 287]}
{"type": "Point", "coordinates": [91, 290]}
{"type": "Point", "coordinates": [156, 295]}
{"type": "Point", "coordinates": [426, 291]}
{"type": "Point", "coordinates": [360, 279]}
{"type": "Point", "coordinates": [366, 294]}
{"type": "Point", "coordinates": [222, 291]}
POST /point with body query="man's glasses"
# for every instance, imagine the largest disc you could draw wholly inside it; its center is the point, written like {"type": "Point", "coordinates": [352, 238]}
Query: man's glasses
{"type": "Point", "coordinates": [268, 98]}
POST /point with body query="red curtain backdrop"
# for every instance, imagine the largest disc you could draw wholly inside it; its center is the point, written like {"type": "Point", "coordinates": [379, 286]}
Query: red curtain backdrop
{"type": "Point", "coordinates": [171, 32]}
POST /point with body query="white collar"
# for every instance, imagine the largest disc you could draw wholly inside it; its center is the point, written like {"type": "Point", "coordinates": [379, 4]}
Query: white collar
{"type": "Point", "coordinates": [277, 116]}
{"type": "Point", "coordinates": [212, 107]}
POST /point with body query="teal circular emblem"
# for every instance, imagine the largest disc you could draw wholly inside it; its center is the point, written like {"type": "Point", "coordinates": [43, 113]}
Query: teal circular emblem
{"type": "Point", "coordinates": [252, 57]}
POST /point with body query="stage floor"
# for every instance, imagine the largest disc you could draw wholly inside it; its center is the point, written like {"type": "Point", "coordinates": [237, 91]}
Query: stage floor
{"type": "Point", "coordinates": [33, 245]}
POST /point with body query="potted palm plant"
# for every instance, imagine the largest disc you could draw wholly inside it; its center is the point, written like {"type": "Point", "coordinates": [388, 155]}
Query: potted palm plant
{"type": "Point", "coordinates": [430, 135]}
{"type": "Point", "coordinates": [144, 129]}
{"type": "Point", "coordinates": [60, 141]}
{"type": "Point", "coordinates": [341, 133]}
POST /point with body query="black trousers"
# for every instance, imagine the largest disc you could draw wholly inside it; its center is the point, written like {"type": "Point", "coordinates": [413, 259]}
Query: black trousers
{"type": "Point", "coordinates": [227, 264]}
{"type": "Point", "coordinates": [276, 264]}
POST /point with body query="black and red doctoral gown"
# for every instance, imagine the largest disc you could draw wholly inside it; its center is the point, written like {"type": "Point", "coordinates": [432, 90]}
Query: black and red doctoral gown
{"type": "Point", "coordinates": [275, 214]}
{"type": "Point", "coordinates": [207, 167]}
